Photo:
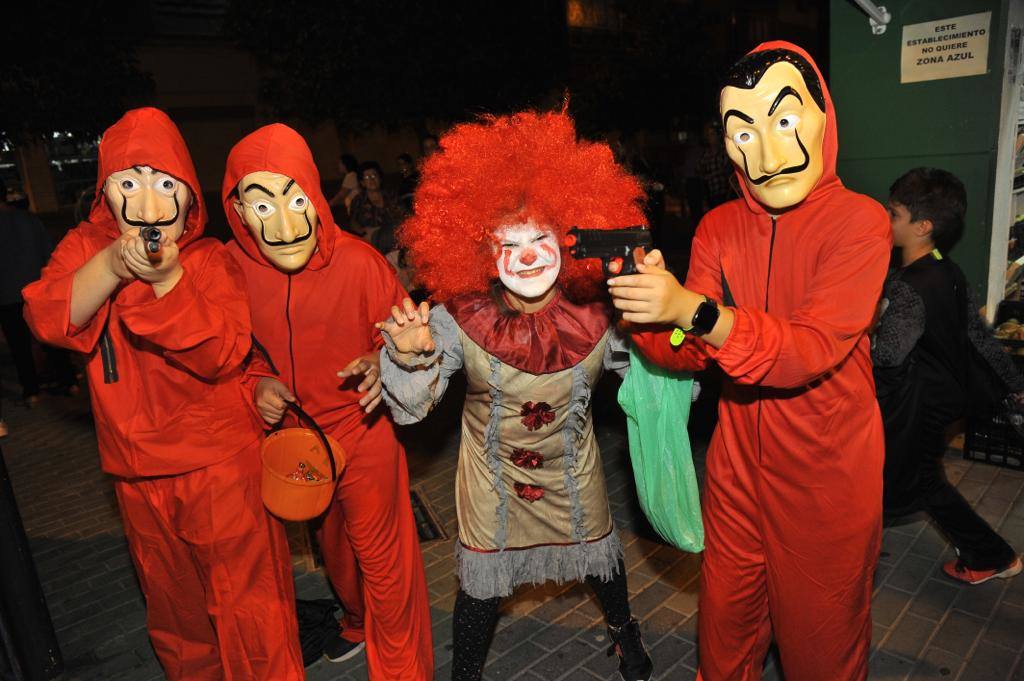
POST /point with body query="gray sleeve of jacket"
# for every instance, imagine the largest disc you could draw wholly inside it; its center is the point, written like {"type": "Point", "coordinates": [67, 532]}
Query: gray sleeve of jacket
{"type": "Point", "coordinates": [900, 326]}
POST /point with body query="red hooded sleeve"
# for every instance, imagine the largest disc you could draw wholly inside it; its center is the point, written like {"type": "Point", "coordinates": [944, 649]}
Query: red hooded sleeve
{"type": "Point", "coordinates": [257, 367]}
{"type": "Point", "coordinates": [203, 323]}
{"type": "Point", "coordinates": [48, 301]}
{"type": "Point", "coordinates": [656, 345]}
{"type": "Point", "coordinates": [834, 315]}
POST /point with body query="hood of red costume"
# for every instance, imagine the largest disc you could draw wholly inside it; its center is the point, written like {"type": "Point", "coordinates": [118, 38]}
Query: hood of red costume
{"type": "Point", "coordinates": [146, 137]}
{"type": "Point", "coordinates": [276, 148]}
{"type": "Point", "coordinates": [829, 146]}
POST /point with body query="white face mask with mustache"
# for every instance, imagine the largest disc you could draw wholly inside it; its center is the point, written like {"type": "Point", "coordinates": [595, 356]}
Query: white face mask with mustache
{"type": "Point", "coordinates": [529, 259]}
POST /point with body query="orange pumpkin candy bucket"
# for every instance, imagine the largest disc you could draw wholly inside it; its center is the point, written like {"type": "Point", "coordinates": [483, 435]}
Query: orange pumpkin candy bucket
{"type": "Point", "coordinates": [300, 469]}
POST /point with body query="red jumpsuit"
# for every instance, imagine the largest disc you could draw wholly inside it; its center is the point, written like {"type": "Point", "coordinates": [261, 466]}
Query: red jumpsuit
{"type": "Point", "coordinates": [312, 323]}
{"type": "Point", "coordinates": [174, 428]}
{"type": "Point", "coordinates": [792, 501]}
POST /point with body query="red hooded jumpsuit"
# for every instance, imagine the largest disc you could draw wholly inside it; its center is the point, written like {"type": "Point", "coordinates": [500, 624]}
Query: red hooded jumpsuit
{"type": "Point", "coordinates": [174, 428]}
{"type": "Point", "coordinates": [792, 500]}
{"type": "Point", "coordinates": [312, 323]}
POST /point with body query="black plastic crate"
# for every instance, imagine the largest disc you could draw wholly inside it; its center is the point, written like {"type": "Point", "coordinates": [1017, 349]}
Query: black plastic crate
{"type": "Point", "coordinates": [994, 441]}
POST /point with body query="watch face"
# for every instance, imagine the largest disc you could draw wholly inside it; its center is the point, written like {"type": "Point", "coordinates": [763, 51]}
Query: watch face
{"type": "Point", "coordinates": [705, 318]}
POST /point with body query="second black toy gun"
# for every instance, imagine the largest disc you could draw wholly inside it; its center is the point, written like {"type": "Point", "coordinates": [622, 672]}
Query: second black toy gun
{"type": "Point", "coordinates": [613, 246]}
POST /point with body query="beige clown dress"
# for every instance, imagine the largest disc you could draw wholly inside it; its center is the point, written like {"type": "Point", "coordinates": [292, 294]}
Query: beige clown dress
{"type": "Point", "coordinates": [530, 492]}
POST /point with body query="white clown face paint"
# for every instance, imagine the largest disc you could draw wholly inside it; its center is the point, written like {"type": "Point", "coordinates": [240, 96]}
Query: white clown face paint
{"type": "Point", "coordinates": [529, 259]}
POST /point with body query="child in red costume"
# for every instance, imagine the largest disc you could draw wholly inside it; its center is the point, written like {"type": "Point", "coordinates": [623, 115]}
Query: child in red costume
{"type": "Point", "coordinates": [166, 339]}
{"type": "Point", "coordinates": [792, 500]}
{"type": "Point", "coordinates": [316, 293]}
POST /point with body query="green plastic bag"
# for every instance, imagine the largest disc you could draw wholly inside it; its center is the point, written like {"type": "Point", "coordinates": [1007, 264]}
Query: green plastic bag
{"type": "Point", "coordinates": [657, 406]}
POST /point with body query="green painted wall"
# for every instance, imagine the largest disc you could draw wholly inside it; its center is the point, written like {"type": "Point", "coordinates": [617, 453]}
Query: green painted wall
{"type": "Point", "coordinates": [886, 128]}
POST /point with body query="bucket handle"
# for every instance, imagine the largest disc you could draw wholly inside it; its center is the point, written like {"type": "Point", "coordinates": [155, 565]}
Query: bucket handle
{"type": "Point", "coordinates": [303, 416]}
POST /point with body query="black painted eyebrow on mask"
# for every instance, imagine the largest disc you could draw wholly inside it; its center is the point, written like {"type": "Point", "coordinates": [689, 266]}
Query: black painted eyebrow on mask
{"type": "Point", "coordinates": [260, 187]}
{"type": "Point", "coordinates": [737, 114]}
{"type": "Point", "coordinates": [288, 186]}
{"type": "Point", "coordinates": [783, 93]}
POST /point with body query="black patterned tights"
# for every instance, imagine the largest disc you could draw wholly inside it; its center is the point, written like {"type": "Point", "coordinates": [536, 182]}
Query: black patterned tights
{"type": "Point", "coordinates": [474, 620]}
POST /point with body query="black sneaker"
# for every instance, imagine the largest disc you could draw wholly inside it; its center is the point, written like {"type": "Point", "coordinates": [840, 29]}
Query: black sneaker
{"type": "Point", "coordinates": [634, 662]}
{"type": "Point", "coordinates": [337, 649]}
{"type": "Point", "coordinates": [316, 619]}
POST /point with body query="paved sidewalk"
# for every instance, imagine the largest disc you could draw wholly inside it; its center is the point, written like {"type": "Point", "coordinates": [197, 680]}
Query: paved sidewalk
{"type": "Point", "coordinates": [926, 627]}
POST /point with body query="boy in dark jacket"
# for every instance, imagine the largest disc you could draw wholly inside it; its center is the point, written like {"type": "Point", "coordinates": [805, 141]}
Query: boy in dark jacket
{"type": "Point", "coordinates": [922, 354]}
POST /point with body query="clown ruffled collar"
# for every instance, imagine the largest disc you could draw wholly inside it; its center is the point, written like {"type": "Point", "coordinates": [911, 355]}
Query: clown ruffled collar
{"type": "Point", "coordinates": [555, 338]}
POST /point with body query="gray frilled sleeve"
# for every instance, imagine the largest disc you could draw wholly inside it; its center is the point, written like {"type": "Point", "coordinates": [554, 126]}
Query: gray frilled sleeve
{"type": "Point", "coordinates": [616, 353]}
{"type": "Point", "coordinates": [413, 386]}
{"type": "Point", "coordinates": [989, 348]}
{"type": "Point", "coordinates": [900, 327]}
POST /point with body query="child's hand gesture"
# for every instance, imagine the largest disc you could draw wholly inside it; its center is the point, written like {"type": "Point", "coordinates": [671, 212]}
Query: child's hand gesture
{"type": "Point", "coordinates": [163, 271]}
{"type": "Point", "coordinates": [115, 258]}
{"type": "Point", "coordinates": [409, 328]}
{"type": "Point", "coordinates": [272, 398]}
{"type": "Point", "coordinates": [368, 366]}
{"type": "Point", "coordinates": [653, 296]}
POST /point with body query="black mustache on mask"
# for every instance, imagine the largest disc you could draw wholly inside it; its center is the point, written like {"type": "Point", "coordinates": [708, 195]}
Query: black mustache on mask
{"type": "Point", "coordinates": [142, 223]}
{"type": "Point", "coordinates": [297, 240]}
{"type": "Point", "coordinates": [784, 171]}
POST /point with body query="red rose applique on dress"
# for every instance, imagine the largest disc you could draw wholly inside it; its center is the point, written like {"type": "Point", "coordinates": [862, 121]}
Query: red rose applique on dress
{"type": "Point", "coordinates": [527, 458]}
{"type": "Point", "coordinates": [536, 415]}
{"type": "Point", "coordinates": [529, 492]}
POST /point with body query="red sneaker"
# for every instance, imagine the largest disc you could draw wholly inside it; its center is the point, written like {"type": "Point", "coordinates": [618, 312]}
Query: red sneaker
{"type": "Point", "coordinates": [960, 572]}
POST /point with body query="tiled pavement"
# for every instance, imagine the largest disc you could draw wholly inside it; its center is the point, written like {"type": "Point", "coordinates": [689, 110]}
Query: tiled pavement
{"type": "Point", "coordinates": [925, 627]}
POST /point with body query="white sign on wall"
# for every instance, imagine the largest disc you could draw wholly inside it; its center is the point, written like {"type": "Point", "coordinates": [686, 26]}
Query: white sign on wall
{"type": "Point", "coordinates": [948, 48]}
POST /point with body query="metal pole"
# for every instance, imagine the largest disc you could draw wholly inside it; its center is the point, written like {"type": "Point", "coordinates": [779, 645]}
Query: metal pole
{"type": "Point", "coordinates": [878, 17]}
{"type": "Point", "coordinates": [877, 13]}
{"type": "Point", "coordinates": [24, 620]}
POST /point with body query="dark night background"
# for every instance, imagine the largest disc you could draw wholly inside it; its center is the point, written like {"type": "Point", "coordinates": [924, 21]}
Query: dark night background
{"type": "Point", "coordinates": [365, 76]}
{"type": "Point", "coordinates": [627, 65]}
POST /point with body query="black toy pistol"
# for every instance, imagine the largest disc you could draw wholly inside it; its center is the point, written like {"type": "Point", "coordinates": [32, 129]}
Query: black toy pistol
{"type": "Point", "coordinates": [614, 247]}
{"type": "Point", "coordinates": [151, 235]}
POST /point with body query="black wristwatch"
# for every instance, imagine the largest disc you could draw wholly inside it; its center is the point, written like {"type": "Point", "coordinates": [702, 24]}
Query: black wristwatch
{"type": "Point", "coordinates": [705, 318]}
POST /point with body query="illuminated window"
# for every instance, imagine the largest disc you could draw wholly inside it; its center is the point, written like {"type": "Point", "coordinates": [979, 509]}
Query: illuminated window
{"type": "Point", "coordinates": [592, 14]}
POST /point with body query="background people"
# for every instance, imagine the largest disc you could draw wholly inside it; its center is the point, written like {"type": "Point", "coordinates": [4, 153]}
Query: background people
{"type": "Point", "coordinates": [24, 249]}
{"type": "Point", "coordinates": [715, 168]}
{"type": "Point", "coordinates": [374, 213]}
{"type": "Point", "coordinates": [348, 166]}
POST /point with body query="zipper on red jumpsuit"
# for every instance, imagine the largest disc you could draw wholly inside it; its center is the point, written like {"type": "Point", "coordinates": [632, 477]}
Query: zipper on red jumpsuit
{"type": "Point", "coordinates": [767, 288]}
{"type": "Point", "coordinates": [291, 348]}
{"type": "Point", "coordinates": [108, 358]}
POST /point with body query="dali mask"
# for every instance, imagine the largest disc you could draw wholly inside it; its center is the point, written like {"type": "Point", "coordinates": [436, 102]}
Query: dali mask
{"type": "Point", "coordinates": [281, 218]}
{"type": "Point", "coordinates": [774, 133]}
{"type": "Point", "coordinates": [142, 196]}
{"type": "Point", "coordinates": [528, 259]}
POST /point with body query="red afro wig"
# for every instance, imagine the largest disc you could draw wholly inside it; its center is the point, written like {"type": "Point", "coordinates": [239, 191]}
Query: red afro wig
{"type": "Point", "coordinates": [507, 170]}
